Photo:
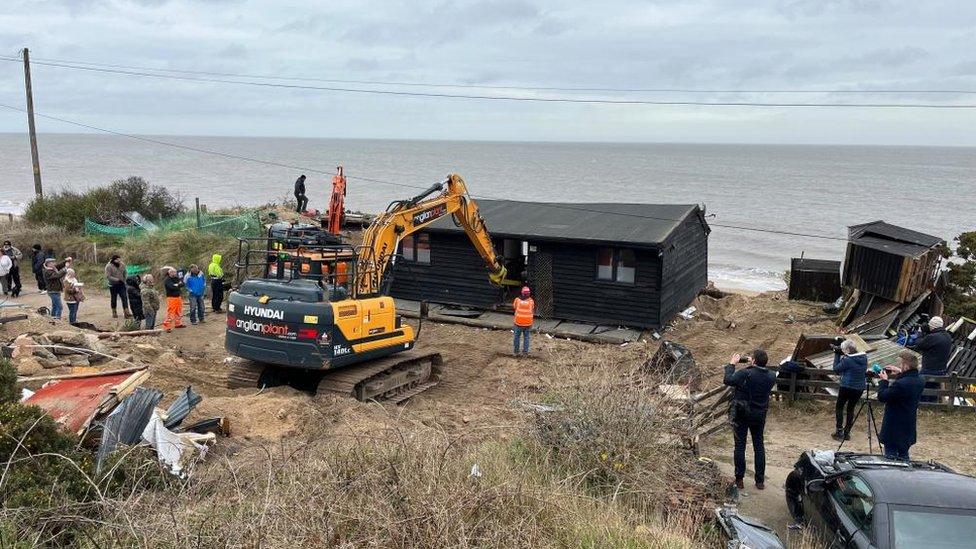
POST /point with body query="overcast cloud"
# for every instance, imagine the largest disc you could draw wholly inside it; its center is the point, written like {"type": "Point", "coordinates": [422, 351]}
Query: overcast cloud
{"type": "Point", "coordinates": [713, 44]}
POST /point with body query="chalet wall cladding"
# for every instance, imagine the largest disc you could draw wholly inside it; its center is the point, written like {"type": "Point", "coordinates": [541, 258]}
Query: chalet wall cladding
{"type": "Point", "coordinates": [614, 264]}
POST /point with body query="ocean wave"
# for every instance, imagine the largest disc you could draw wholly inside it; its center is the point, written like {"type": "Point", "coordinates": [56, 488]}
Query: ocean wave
{"type": "Point", "coordinates": [8, 207]}
{"type": "Point", "coordinates": [746, 278]}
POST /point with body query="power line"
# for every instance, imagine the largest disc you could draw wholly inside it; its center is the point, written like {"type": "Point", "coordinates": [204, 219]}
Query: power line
{"type": "Point", "coordinates": [868, 91]}
{"type": "Point", "coordinates": [404, 185]}
{"type": "Point", "coordinates": [681, 103]}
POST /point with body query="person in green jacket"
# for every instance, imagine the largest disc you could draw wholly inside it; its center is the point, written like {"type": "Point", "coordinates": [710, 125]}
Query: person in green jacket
{"type": "Point", "coordinates": [216, 274]}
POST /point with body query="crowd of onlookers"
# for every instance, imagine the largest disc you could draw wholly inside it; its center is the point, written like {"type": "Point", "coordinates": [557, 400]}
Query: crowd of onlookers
{"type": "Point", "coordinates": [138, 296]}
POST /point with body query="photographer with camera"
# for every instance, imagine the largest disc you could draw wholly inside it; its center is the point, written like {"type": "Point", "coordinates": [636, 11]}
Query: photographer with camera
{"type": "Point", "coordinates": [935, 346]}
{"type": "Point", "coordinates": [752, 384]}
{"type": "Point", "coordinates": [852, 367]}
{"type": "Point", "coordinates": [900, 397]}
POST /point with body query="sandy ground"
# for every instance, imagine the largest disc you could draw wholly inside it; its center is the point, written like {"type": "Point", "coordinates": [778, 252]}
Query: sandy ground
{"type": "Point", "coordinates": [481, 382]}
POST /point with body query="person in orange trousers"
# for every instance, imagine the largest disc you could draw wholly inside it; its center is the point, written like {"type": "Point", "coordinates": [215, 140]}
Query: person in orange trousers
{"type": "Point", "coordinates": [174, 301]}
{"type": "Point", "coordinates": [524, 315]}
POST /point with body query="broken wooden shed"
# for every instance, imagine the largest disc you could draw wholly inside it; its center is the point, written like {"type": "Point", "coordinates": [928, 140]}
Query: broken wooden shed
{"type": "Point", "coordinates": [891, 262]}
{"type": "Point", "coordinates": [612, 264]}
{"type": "Point", "coordinates": [814, 279]}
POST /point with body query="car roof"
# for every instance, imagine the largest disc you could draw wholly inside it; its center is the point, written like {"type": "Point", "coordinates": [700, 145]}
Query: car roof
{"type": "Point", "coordinates": [921, 487]}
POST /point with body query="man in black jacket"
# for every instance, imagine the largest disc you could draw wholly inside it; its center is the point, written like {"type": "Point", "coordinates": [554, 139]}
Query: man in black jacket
{"type": "Point", "coordinates": [936, 348]}
{"type": "Point", "coordinates": [300, 197]}
{"type": "Point", "coordinates": [901, 398]}
{"type": "Point", "coordinates": [753, 385]}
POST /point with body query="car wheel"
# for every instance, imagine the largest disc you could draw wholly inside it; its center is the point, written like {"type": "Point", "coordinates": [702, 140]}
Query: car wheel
{"type": "Point", "coordinates": [794, 495]}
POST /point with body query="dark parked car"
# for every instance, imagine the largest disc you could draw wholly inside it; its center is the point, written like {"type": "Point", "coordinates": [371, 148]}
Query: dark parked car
{"type": "Point", "coordinates": [864, 500]}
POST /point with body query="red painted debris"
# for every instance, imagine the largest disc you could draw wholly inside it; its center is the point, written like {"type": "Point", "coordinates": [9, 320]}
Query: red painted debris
{"type": "Point", "coordinates": [74, 402]}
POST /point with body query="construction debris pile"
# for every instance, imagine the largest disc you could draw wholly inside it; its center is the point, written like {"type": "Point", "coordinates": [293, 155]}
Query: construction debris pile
{"type": "Point", "coordinates": [93, 389]}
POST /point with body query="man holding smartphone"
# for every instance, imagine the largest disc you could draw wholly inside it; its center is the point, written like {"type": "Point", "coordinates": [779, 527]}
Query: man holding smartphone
{"type": "Point", "coordinates": [900, 389]}
{"type": "Point", "coordinates": [752, 385]}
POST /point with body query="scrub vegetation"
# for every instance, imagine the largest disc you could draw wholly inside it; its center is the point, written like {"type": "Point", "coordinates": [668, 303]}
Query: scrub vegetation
{"type": "Point", "coordinates": [601, 468]}
{"type": "Point", "coordinates": [960, 295]}
{"type": "Point", "coordinates": [68, 209]}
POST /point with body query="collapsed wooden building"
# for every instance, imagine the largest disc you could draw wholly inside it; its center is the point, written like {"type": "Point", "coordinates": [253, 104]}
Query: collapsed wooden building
{"type": "Point", "coordinates": [631, 265]}
{"type": "Point", "coordinates": [891, 273]}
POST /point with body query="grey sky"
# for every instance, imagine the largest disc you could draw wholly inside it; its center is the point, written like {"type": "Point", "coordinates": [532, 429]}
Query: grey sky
{"type": "Point", "coordinates": [806, 44]}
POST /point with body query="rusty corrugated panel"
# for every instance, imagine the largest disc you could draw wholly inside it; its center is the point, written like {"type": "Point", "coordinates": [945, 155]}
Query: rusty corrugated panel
{"type": "Point", "coordinates": [74, 402]}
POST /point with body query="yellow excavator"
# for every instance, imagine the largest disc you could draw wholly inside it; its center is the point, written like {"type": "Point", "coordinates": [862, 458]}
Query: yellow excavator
{"type": "Point", "coordinates": [323, 308]}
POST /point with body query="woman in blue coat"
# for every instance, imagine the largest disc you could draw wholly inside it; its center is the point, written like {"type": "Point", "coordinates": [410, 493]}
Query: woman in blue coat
{"type": "Point", "coordinates": [852, 367]}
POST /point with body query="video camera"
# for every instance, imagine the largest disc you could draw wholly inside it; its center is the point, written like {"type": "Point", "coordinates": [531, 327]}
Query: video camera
{"type": "Point", "coordinates": [835, 345]}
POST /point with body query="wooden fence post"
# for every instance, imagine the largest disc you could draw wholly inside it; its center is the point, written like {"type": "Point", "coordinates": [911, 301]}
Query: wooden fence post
{"type": "Point", "coordinates": [953, 387]}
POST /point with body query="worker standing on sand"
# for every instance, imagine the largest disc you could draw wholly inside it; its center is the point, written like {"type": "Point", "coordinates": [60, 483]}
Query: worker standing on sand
{"type": "Point", "coordinates": [752, 385]}
{"type": "Point", "coordinates": [150, 301]}
{"type": "Point", "coordinates": [196, 285]}
{"type": "Point", "coordinates": [115, 275]}
{"type": "Point", "coordinates": [524, 316]}
{"type": "Point", "coordinates": [216, 274]}
{"type": "Point", "coordinates": [300, 197]}
{"type": "Point", "coordinates": [174, 302]}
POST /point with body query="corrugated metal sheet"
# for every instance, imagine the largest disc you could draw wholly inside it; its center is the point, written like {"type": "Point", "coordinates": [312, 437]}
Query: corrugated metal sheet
{"type": "Point", "coordinates": [180, 408]}
{"type": "Point", "coordinates": [73, 402]}
{"type": "Point", "coordinates": [885, 353]}
{"type": "Point", "coordinates": [127, 421]}
{"type": "Point", "coordinates": [963, 362]}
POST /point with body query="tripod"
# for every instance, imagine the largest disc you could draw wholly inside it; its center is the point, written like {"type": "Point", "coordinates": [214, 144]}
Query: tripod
{"type": "Point", "coordinates": [872, 421]}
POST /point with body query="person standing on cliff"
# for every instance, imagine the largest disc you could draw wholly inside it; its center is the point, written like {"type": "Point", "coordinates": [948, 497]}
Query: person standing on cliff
{"type": "Point", "coordinates": [300, 197]}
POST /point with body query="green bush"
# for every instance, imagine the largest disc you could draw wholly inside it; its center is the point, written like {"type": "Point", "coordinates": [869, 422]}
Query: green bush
{"type": "Point", "coordinates": [960, 295]}
{"type": "Point", "coordinates": [8, 382]}
{"type": "Point", "coordinates": [69, 209]}
{"type": "Point", "coordinates": [45, 468]}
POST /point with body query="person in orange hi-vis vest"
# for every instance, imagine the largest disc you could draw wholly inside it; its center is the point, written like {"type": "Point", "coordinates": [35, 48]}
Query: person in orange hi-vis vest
{"type": "Point", "coordinates": [174, 301]}
{"type": "Point", "coordinates": [524, 313]}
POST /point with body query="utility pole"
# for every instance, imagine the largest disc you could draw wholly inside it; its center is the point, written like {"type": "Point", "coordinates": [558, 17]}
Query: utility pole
{"type": "Point", "coordinates": [30, 124]}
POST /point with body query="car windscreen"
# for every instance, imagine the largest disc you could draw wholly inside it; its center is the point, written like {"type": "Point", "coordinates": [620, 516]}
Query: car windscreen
{"type": "Point", "coordinates": [932, 528]}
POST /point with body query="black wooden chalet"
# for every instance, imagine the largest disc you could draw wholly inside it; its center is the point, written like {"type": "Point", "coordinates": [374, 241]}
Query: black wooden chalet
{"type": "Point", "coordinates": [612, 264]}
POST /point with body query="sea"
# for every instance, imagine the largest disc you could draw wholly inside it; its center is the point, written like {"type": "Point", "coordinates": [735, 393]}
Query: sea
{"type": "Point", "coordinates": [767, 203]}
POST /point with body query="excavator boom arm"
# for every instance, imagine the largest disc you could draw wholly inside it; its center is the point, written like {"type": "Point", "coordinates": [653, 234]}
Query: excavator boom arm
{"type": "Point", "coordinates": [404, 218]}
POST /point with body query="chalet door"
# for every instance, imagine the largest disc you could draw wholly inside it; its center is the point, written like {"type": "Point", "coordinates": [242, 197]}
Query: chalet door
{"type": "Point", "coordinates": [542, 283]}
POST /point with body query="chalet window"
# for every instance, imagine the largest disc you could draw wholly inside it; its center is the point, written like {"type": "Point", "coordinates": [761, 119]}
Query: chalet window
{"type": "Point", "coordinates": [416, 248]}
{"type": "Point", "coordinates": [616, 265]}
{"type": "Point", "coordinates": [604, 264]}
{"type": "Point", "coordinates": [423, 248]}
{"type": "Point", "coordinates": [407, 248]}
{"type": "Point", "coordinates": [626, 266]}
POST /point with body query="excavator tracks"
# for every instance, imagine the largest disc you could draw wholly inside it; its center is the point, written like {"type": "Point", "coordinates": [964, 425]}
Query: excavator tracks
{"type": "Point", "coordinates": [393, 379]}
{"type": "Point", "coordinates": [244, 374]}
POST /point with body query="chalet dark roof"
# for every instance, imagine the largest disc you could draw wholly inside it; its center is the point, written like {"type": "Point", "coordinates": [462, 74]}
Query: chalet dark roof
{"type": "Point", "coordinates": [816, 265]}
{"type": "Point", "coordinates": [893, 239]}
{"type": "Point", "coordinates": [632, 224]}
